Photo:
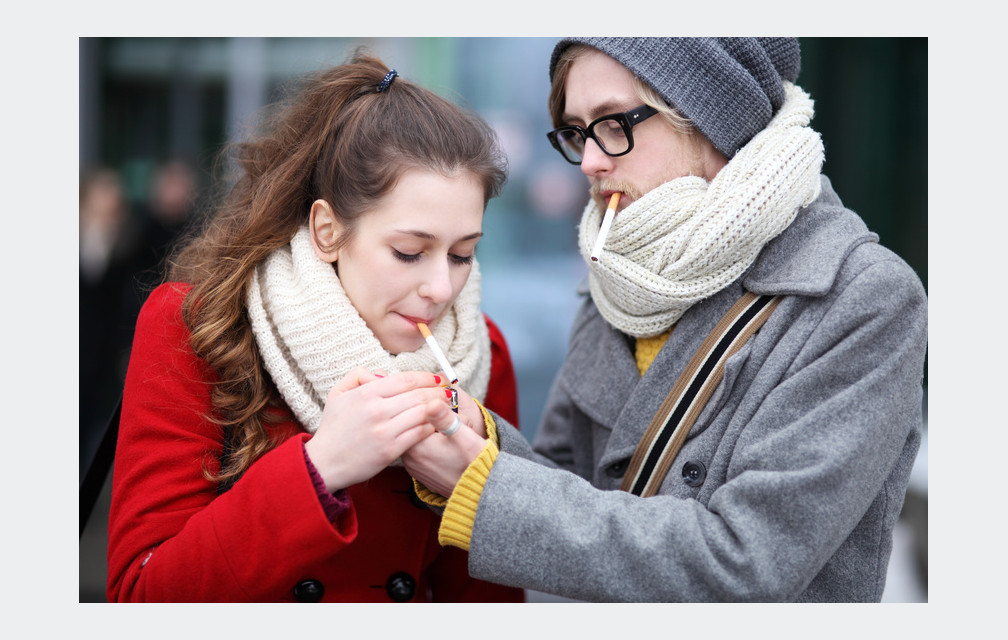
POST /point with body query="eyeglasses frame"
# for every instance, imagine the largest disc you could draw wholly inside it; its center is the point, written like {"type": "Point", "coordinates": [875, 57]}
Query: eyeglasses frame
{"type": "Point", "coordinates": [627, 120]}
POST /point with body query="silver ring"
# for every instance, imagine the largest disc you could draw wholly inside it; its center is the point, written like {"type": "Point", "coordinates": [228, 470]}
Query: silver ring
{"type": "Point", "coordinates": [450, 431]}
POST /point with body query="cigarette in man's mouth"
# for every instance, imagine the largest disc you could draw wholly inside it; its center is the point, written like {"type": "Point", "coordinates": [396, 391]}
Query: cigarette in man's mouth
{"type": "Point", "coordinates": [606, 223]}
{"type": "Point", "coordinates": [438, 353]}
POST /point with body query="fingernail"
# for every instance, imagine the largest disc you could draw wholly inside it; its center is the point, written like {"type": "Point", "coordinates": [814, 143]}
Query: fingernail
{"type": "Point", "coordinates": [437, 379]}
{"type": "Point", "coordinates": [378, 375]}
{"type": "Point", "coordinates": [448, 393]}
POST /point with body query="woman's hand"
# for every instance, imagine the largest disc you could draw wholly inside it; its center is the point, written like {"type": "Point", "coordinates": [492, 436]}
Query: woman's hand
{"type": "Point", "coordinates": [369, 421]}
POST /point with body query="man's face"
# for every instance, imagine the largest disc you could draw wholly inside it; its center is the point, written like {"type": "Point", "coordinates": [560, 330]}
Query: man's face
{"type": "Point", "coordinates": [598, 85]}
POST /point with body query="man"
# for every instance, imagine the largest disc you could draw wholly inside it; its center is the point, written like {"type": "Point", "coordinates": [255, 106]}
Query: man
{"type": "Point", "coordinates": [788, 478]}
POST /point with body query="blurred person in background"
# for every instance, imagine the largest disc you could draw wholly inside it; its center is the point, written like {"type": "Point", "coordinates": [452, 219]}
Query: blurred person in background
{"type": "Point", "coordinates": [123, 248]}
{"type": "Point", "coordinates": [278, 375]}
{"type": "Point", "coordinates": [168, 210]}
{"type": "Point", "coordinates": [787, 483]}
{"type": "Point", "coordinates": [110, 254]}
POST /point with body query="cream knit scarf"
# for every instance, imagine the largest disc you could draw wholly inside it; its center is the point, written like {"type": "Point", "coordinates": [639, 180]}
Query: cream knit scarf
{"type": "Point", "coordinates": [310, 335]}
{"type": "Point", "coordinates": [688, 239]}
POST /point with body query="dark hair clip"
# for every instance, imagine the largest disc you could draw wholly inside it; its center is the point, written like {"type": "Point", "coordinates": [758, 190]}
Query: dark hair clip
{"type": "Point", "coordinates": [387, 80]}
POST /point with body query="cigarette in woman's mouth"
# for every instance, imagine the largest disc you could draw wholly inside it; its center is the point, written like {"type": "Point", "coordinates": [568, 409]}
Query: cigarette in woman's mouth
{"type": "Point", "coordinates": [606, 223]}
{"type": "Point", "coordinates": [438, 353]}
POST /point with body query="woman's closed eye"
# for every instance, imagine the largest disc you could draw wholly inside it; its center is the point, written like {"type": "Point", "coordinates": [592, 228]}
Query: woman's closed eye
{"type": "Point", "coordinates": [405, 257]}
{"type": "Point", "coordinates": [415, 257]}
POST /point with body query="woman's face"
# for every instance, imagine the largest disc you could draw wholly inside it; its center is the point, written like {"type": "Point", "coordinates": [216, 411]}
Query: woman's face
{"type": "Point", "coordinates": [411, 255]}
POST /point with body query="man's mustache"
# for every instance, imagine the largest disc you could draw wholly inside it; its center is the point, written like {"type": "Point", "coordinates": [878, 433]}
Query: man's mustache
{"type": "Point", "coordinates": [629, 191]}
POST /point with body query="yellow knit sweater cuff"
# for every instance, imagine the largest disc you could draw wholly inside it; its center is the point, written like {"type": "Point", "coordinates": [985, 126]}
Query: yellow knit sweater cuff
{"type": "Point", "coordinates": [489, 424]}
{"type": "Point", "coordinates": [438, 500]}
{"type": "Point", "coordinates": [460, 512]}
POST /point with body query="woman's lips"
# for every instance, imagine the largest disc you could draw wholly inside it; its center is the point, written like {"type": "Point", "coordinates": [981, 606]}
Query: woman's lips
{"type": "Point", "coordinates": [416, 319]}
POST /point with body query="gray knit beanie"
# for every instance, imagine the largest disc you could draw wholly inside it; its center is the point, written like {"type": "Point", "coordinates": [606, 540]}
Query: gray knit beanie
{"type": "Point", "coordinates": [729, 88]}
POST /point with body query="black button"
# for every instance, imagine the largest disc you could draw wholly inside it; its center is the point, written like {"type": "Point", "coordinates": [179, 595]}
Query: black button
{"type": "Point", "coordinates": [617, 469]}
{"type": "Point", "coordinates": [308, 591]}
{"type": "Point", "coordinates": [401, 587]}
{"type": "Point", "coordinates": [415, 499]}
{"type": "Point", "coordinates": [694, 473]}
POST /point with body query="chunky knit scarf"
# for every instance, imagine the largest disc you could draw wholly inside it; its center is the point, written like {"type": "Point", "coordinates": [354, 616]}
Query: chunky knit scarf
{"type": "Point", "coordinates": [687, 239]}
{"type": "Point", "coordinates": [310, 335]}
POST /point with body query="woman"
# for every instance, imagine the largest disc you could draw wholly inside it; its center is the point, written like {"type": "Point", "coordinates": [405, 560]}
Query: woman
{"type": "Point", "coordinates": [278, 376]}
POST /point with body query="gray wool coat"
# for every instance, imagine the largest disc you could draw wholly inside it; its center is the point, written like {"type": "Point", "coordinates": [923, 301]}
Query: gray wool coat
{"type": "Point", "coordinates": [804, 450]}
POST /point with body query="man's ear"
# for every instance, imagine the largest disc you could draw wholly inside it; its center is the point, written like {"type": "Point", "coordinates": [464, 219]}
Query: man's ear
{"type": "Point", "coordinates": [325, 230]}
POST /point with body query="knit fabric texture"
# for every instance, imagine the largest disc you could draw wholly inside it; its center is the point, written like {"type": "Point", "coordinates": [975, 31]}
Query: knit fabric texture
{"type": "Point", "coordinates": [646, 350]}
{"type": "Point", "coordinates": [332, 503]}
{"type": "Point", "coordinates": [729, 88]}
{"type": "Point", "coordinates": [687, 239]}
{"type": "Point", "coordinates": [460, 510]}
{"type": "Point", "coordinates": [310, 335]}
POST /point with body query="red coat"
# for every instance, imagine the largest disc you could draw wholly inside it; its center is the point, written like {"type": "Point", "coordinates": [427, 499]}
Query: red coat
{"type": "Point", "coordinates": [267, 539]}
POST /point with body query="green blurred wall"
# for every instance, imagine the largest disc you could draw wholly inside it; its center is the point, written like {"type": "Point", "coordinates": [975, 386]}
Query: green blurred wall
{"type": "Point", "coordinates": [871, 109]}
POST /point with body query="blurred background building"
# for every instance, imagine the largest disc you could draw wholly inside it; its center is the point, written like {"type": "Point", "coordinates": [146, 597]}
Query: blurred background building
{"type": "Point", "coordinates": [154, 112]}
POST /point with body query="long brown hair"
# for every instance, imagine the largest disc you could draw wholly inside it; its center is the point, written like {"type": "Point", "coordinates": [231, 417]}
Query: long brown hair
{"type": "Point", "coordinates": [336, 138]}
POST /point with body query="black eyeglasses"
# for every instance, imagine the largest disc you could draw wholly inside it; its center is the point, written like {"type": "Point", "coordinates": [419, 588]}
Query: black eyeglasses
{"type": "Point", "coordinates": [610, 132]}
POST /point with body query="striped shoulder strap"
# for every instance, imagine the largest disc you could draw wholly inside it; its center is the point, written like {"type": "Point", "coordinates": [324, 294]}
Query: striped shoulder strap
{"type": "Point", "coordinates": [675, 417]}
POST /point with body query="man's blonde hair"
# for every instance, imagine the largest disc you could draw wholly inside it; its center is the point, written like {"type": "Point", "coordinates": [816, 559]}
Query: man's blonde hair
{"type": "Point", "coordinates": [556, 102]}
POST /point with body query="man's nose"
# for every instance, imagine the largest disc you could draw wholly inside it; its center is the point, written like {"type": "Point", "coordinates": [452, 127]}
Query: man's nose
{"type": "Point", "coordinates": [595, 161]}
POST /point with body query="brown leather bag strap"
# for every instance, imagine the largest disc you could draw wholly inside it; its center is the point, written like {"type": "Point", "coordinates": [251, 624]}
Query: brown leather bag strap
{"type": "Point", "coordinates": [675, 417]}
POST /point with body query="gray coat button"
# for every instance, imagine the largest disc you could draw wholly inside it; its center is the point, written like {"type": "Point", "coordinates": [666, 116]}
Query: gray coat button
{"type": "Point", "coordinates": [694, 473]}
{"type": "Point", "coordinates": [617, 469]}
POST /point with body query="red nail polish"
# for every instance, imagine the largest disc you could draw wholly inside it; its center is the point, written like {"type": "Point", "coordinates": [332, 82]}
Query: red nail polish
{"type": "Point", "coordinates": [378, 375]}
{"type": "Point", "coordinates": [437, 379]}
{"type": "Point", "coordinates": [448, 393]}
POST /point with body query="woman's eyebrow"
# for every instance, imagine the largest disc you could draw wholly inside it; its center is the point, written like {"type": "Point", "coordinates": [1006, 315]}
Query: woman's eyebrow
{"type": "Point", "coordinates": [430, 236]}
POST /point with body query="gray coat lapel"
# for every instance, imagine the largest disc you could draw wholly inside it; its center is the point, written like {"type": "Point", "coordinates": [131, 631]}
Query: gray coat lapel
{"type": "Point", "coordinates": [805, 258]}
{"type": "Point", "coordinates": [651, 390]}
{"type": "Point", "coordinates": [599, 360]}
{"type": "Point", "coordinates": [623, 401]}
